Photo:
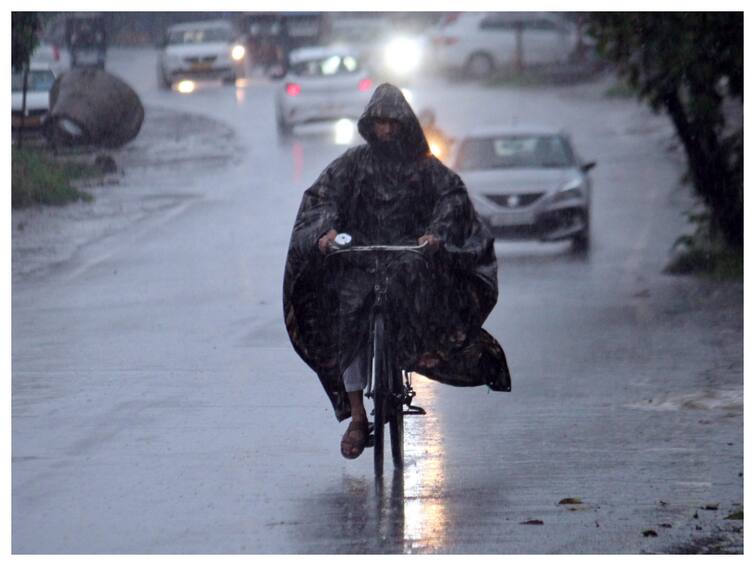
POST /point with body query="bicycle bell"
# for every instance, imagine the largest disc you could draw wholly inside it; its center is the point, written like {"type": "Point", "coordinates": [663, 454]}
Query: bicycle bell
{"type": "Point", "coordinates": [343, 240]}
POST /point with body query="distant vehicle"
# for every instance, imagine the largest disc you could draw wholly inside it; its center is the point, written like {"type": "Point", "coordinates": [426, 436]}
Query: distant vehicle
{"type": "Point", "coordinates": [86, 38]}
{"type": "Point", "coordinates": [40, 81]}
{"type": "Point", "coordinates": [393, 52]}
{"type": "Point", "coordinates": [200, 50]}
{"type": "Point", "coordinates": [271, 36]}
{"type": "Point", "coordinates": [322, 83]}
{"type": "Point", "coordinates": [527, 183]}
{"type": "Point", "coordinates": [478, 43]}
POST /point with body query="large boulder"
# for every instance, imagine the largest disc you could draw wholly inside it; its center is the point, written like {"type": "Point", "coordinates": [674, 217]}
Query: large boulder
{"type": "Point", "coordinates": [93, 107]}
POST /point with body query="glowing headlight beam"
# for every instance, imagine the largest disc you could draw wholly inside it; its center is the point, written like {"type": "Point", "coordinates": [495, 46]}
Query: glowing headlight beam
{"type": "Point", "coordinates": [186, 87]}
{"type": "Point", "coordinates": [403, 55]}
{"type": "Point", "coordinates": [345, 131]}
{"type": "Point", "coordinates": [238, 52]}
{"type": "Point", "coordinates": [408, 95]}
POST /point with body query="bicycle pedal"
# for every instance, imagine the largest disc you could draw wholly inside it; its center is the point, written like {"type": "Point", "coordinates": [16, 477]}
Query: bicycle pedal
{"type": "Point", "coordinates": [414, 410]}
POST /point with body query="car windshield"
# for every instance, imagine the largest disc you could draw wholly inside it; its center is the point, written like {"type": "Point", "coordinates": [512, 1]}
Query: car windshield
{"type": "Point", "coordinates": [39, 81]}
{"type": "Point", "coordinates": [208, 35]}
{"type": "Point", "coordinates": [512, 152]}
{"type": "Point", "coordinates": [326, 66]}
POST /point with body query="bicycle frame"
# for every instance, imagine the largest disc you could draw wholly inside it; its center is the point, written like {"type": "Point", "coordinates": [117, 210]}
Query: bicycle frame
{"type": "Point", "coordinates": [385, 385]}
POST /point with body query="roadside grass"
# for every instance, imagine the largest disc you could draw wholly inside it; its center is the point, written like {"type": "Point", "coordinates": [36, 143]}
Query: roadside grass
{"type": "Point", "coordinates": [544, 75]}
{"type": "Point", "coordinates": [620, 89]}
{"type": "Point", "coordinates": [704, 252]}
{"type": "Point", "coordinates": [716, 264]}
{"type": "Point", "coordinates": [513, 79]}
{"type": "Point", "coordinates": [38, 178]}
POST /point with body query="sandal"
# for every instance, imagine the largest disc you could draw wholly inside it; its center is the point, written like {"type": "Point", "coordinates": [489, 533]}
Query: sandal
{"type": "Point", "coordinates": [355, 438]}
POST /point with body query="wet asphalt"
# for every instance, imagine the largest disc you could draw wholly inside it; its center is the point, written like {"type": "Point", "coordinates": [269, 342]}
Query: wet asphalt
{"type": "Point", "coordinates": [157, 406]}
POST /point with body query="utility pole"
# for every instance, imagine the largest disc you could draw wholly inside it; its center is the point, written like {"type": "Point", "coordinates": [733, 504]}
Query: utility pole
{"type": "Point", "coordinates": [25, 87]}
{"type": "Point", "coordinates": [519, 50]}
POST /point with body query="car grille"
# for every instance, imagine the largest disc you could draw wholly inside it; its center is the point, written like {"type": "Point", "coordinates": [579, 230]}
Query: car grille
{"type": "Point", "coordinates": [511, 200]}
{"type": "Point", "coordinates": [201, 60]}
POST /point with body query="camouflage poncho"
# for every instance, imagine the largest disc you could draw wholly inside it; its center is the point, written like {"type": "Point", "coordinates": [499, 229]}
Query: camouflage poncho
{"type": "Point", "coordinates": [393, 193]}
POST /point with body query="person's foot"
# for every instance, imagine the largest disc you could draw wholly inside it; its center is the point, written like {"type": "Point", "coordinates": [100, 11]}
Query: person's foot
{"type": "Point", "coordinates": [355, 438]}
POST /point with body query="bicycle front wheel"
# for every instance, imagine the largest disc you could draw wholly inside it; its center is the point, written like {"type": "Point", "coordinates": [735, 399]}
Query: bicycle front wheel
{"type": "Point", "coordinates": [380, 391]}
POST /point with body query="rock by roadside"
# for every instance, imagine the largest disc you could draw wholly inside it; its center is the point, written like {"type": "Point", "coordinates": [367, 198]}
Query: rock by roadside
{"type": "Point", "coordinates": [145, 182]}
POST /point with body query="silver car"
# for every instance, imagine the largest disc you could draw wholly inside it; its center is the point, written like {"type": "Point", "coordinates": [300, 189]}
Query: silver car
{"type": "Point", "coordinates": [39, 82]}
{"type": "Point", "coordinates": [322, 83]}
{"type": "Point", "coordinates": [527, 183]}
{"type": "Point", "coordinates": [200, 50]}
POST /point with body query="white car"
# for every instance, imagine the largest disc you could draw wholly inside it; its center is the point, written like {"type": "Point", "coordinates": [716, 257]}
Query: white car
{"type": "Point", "coordinates": [478, 43]}
{"type": "Point", "coordinates": [200, 50]}
{"type": "Point", "coordinates": [40, 81]}
{"type": "Point", "coordinates": [52, 56]}
{"type": "Point", "coordinates": [527, 183]}
{"type": "Point", "coordinates": [322, 83]}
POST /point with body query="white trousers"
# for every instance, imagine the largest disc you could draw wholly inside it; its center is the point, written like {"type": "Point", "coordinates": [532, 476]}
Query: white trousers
{"type": "Point", "coordinates": [355, 376]}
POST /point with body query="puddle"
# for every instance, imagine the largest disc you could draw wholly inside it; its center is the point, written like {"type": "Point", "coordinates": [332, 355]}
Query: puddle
{"type": "Point", "coordinates": [726, 399]}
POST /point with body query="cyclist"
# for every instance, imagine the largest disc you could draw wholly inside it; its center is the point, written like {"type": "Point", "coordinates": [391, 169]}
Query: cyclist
{"type": "Point", "coordinates": [391, 190]}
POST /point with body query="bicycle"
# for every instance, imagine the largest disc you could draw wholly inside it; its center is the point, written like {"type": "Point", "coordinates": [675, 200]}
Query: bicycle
{"type": "Point", "coordinates": [388, 386]}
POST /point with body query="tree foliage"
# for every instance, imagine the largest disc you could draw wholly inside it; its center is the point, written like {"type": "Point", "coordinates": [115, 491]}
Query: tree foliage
{"type": "Point", "coordinates": [689, 64]}
{"type": "Point", "coordinates": [24, 28]}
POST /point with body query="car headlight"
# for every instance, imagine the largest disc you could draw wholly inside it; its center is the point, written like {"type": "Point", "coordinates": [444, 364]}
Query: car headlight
{"type": "Point", "coordinates": [345, 131]}
{"type": "Point", "coordinates": [481, 205]}
{"type": "Point", "coordinates": [238, 52]}
{"type": "Point", "coordinates": [403, 55]}
{"type": "Point", "coordinates": [572, 189]}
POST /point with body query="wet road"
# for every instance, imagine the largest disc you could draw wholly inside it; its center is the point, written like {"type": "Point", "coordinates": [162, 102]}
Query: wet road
{"type": "Point", "coordinates": [159, 408]}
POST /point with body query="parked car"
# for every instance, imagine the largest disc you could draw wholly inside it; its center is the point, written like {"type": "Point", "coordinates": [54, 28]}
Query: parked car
{"type": "Point", "coordinates": [478, 43]}
{"type": "Point", "coordinates": [527, 183]}
{"type": "Point", "coordinates": [200, 50]}
{"type": "Point", "coordinates": [40, 81]}
{"type": "Point", "coordinates": [322, 83]}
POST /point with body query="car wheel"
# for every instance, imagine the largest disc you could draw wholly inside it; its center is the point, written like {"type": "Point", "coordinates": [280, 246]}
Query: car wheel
{"type": "Point", "coordinates": [230, 79]}
{"type": "Point", "coordinates": [581, 242]}
{"type": "Point", "coordinates": [479, 66]}
{"type": "Point", "coordinates": [163, 82]}
{"type": "Point", "coordinates": [284, 128]}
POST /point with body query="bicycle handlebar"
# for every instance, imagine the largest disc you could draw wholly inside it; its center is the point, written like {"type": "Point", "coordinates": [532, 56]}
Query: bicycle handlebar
{"type": "Point", "coordinates": [348, 248]}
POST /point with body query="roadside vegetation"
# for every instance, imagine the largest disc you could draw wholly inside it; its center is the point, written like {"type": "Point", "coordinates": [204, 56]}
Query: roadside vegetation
{"type": "Point", "coordinates": [690, 65]}
{"type": "Point", "coordinates": [38, 178]}
{"type": "Point", "coordinates": [705, 254]}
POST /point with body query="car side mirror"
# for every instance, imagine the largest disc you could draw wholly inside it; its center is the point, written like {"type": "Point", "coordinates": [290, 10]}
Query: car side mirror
{"type": "Point", "coordinates": [587, 166]}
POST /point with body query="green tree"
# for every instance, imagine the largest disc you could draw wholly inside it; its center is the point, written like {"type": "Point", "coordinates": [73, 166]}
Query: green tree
{"type": "Point", "coordinates": [689, 64]}
{"type": "Point", "coordinates": [24, 28]}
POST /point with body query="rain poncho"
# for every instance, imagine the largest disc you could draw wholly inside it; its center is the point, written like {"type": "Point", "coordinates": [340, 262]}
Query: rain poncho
{"type": "Point", "coordinates": [392, 193]}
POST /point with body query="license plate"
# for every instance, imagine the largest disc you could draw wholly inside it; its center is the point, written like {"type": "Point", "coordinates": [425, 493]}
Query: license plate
{"type": "Point", "coordinates": [331, 107]}
{"type": "Point", "coordinates": [201, 66]}
{"type": "Point", "coordinates": [87, 57]}
{"type": "Point", "coordinates": [512, 219]}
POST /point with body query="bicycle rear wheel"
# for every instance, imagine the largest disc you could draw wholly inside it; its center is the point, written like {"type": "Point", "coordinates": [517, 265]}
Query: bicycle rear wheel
{"type": "Point", "coordinates": [396, 419]}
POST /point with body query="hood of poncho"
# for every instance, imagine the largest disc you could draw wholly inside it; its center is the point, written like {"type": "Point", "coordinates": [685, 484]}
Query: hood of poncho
{"type": "Point", "coordinates": [388, 102]}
